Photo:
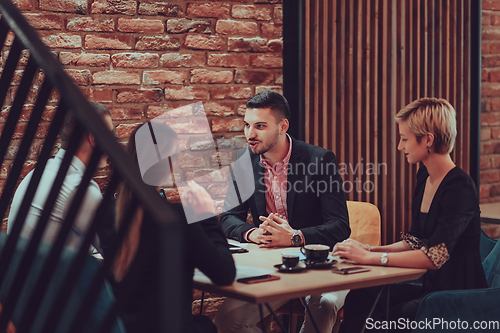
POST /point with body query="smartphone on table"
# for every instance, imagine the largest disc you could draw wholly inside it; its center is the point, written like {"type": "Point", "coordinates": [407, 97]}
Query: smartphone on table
{"type": "Point", "coordinates": [259, 278]}
{"type": "Point", "coordinates": [349, 270]}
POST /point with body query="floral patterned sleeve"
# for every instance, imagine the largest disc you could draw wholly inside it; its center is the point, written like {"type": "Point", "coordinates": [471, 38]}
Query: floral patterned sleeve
{"type": "Point", "coordinates": [437, 254]}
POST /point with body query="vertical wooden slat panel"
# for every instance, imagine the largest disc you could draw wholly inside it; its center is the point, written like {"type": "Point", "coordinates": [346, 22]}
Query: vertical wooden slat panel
{"type": "Point", "coordinates": [364, 61]}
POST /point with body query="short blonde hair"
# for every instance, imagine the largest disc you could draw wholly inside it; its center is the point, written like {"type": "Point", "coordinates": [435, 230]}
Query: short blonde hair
{"type": "Point", "coordinates": [431, 115]}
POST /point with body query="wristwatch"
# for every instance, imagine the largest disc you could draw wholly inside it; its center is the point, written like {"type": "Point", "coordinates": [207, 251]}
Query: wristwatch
{"type": "Point", "coordinates": [384, 259]}
{"type": "Point", "coordinates": [296, 238]}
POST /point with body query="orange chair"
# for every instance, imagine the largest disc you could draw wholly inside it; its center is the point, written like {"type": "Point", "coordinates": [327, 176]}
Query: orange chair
{"type": "Point", "coordinates": [364, 220]}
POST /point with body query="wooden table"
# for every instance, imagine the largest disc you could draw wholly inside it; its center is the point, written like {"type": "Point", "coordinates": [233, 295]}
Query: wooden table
{"type": "Point", "coordinates": [308, 282]}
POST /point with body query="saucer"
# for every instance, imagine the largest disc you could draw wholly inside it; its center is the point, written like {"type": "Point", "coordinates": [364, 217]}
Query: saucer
{"type": "Point", "coordinates": [298, 268]}
{"type": "Point", "coordinates": [321, 265]}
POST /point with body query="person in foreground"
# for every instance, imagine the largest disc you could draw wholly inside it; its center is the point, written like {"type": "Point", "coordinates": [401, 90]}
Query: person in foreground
{"type": "Point", "coordinates": [68, 189]}
{"type": "Point", "coordinates": [445, 231]}
{"type": "Point", "coordinates": [298, 200]}
{"type": "Point", "coordinates": [137, 267]}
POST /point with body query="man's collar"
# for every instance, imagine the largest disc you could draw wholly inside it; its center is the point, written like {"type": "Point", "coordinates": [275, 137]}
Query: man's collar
{"type": "Point", "coordinates": [285, 160]}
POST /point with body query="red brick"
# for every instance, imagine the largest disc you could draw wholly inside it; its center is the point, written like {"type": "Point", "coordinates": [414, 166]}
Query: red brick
{"type": "Point", "coordinates": [229, 92]}
{"type": "Point", "coordinates": [67, 6]}
{"type": "Point", "coordinates": [208, 10]}
{"type": "Point", "coordinates": [260, 89]}
{"type": "Point", "coordinates": [495, 104]}
{"type": "Point", "coordinates": [41, 132]}
{"type": "Point", "coordinates": [222, 158]}
{"type": "Point", "coordinates": [485, 47]}
{"type": "Point", "coordinates": [239, 142]}
{"type": "Point", "coordinates": [495, 162]}
{"type": "Point", "coordinates": [182, 60]}
{"type": "Point", "coordinates": [495, 133]}
{"type": "Point", "coordinates": [10, 39]}
{"type": "Point", "coordinates": [135, 60]}
{"type": "Point", "coordinates": [116, 77]}
{"type": "Point", "coordinates": [267, 61]}
{"type": "Point", "coordinates": [490, 33]}
{"type": "Point", "coordinates": [186, 93]}
{"type": "Point", "coordinates": [168, 111]}
{"type": "Point", "coordinates": [182, 25]}
{"type": "Point", "coordinates": [218, 190]}
{"type": "Point", "coordinates": [241, 110]}
{"type": "Point", "coordinates": [495, 190]}
{"type": "Point", "coordinates": [125, 113]}
{"type": "Point", "coordinates": [254, 77]}
{"type": "Point", "coordinates": [61, 40]}
{"type": "Point", "coordinates": [172, 195]}
{"type": "Point", "coordinates": [275, 45]}
{"type": "Point", "coordinates": [495, 19]}
{"type": "Point", "coordinates": [494, 49]}
{"type": "Point", "coordinates": [23, 4]}
{"type": "Point", "coordinates": [101, 95]}
{"type": "Point", "coordinates": [240, 44]}
{"type": "Point", "coordinates": [219, 109]}
{"type": "Point", "coordinates": [79, 76]}
{"type": "Point", "coordinates": [126, 7]}
{"type": "Point", "coordinates": [490, 147]}
{"type": "Point", "coordinates": [278, 78]}
{"type": "Point", "coordinates": [138, 95]}
{"type": "Point", "coordinates": [208, 175]}
{"type": "Point", "coordinates": [195, 125]}
{"type": "Point", "coordinates": [485, 133]}
{"type": "Point", "coordinates": [490, 119]}
{"type": "Point", "coordinates": [163, 77]}
{"type": "Point", "coordinates": [490, 89]}
{"type": "Point", "coordinates": [123, 131]}
{"type": "Point", "coordinates": [485, 18]}
{"type": "Point", "coordinates": [484, 163]}
{"type": "Point", "coordinates": [490, 5]}
{"type": "Point", "coordinates": [484, 191]}
{"type": "Point", "coordinates": [189, 160]}
{"type": "Point", "coordinates": [271, 30]}
{"type": "Point", "coordinates": [4, 170]}
{"type": "Point", "coordinates": [158, 43]}
{"type": "Point", "coordinates": [268, 1]}
{"type": "Point", "coordinates": [84, 59]}
{"type": "Point", "coordinates": [227, 60]}
{"type": "Point", "coordinates": [278, 14]}
{"type": "Point", "coordinates": [160, 8]}
{"type": "Point", "coordinates": [231, 27]}
{"type": "Point", "coordinates": [44, 22]}
{"type": "Point", "coordinates": [484, 75]}
{"type": "Point", "coordinates": [202, 42]}
{"type": "Point", "coordinates": [109, 42]}
{"type": "Point", "coordinates": [227, 125]}
{"type": "Point", "coordinates": [494, 75]}
{"type": "Point", "coordinates": [90, 24]}
{"type": "Point", "coordinates": [489, 176]}
{"type": "Point", "coordinates": [140, 25]}
{"type": "Point", "coordinates": [27, 167]}
{"type": "Point", "coordinates": [251, 12]}
{"type": "Point", "coordinates": [206, 76]}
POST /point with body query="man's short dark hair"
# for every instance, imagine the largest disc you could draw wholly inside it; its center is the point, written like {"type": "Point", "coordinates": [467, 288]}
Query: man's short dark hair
{"type": "Point", "coordinates": [70, 122]}
{"type": "Point", "coordinates": [272, 100]}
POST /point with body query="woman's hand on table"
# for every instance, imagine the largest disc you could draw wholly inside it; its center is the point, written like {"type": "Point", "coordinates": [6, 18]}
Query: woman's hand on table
{"type": "Point", "coordinates": [352, 250]}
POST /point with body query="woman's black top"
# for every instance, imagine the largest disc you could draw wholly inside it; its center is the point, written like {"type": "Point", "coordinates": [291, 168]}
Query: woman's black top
{"type": "Point", "coordinates": [450, 232]}
{"type": "Point", "coordinates": [204, 246]}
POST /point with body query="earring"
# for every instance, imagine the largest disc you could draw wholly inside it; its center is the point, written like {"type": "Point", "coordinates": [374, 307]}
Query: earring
{"type": "Point", "coordinates": [428, 150]}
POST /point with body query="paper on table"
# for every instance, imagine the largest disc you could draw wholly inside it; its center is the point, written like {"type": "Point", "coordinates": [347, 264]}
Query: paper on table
{"type": "Point", "coordinates": [241, 272]}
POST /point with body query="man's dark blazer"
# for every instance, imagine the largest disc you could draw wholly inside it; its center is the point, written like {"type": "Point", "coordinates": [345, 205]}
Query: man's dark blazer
{"type": "Point", "coordinates": [315, 198]}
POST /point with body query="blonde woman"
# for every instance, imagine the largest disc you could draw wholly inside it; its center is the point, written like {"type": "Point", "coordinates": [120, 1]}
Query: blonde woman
{"type": "Point", "coordinates": [445, 232]}
{"type": "Point", "coordinates": [137, 267]}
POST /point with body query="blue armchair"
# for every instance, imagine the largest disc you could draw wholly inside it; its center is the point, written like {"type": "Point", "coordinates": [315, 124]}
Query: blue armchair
{"type": "Point", "coordinates": [476, 310]}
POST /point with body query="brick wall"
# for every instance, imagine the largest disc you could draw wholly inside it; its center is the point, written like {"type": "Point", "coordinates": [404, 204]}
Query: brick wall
{"type": "Point", "coordinates": [490, 109]}
{"type": "Point", "coordinates": [143, 57]}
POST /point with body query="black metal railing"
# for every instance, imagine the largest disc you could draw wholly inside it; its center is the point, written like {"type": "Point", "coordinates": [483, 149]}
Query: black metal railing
{"type": "Point", "coordinates": [16, 273]}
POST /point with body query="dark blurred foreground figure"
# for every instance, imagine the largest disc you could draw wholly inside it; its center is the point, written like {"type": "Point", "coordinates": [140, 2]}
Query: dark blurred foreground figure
{"type": "Point", "coordinates": [445, 231]}
{"type": "Point", "coordinates": [137, 267]}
